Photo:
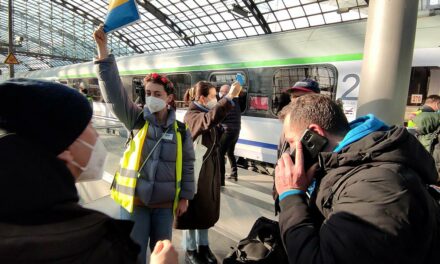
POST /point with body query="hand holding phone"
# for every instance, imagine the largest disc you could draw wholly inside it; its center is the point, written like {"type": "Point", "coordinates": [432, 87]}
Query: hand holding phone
{"type": "Point", "coordinates": [239, 78]}
{"type": "Point", "coordinates": [312, 143]}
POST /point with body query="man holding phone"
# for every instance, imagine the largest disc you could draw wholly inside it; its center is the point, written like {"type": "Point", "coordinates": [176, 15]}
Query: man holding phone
{"type": "Point", "coordinates": [370, 204]}
{"type": "Point", "coordinates": [230, 127]}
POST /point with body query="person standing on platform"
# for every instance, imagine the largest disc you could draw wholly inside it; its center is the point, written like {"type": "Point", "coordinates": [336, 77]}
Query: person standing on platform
{"type": "Point", "coordinates": [46, 147]}
{"type": "Point", "coordinates": [432, 104]}
{"type": "Point", "coordinates": [306, 86]}
{"type": "Point", "coordinates": [230, 127]}
{"type": "Point", "coordinates": [160, 157]}
{"type": "Point", "coordinates": [371, 202]}
{"type": "Point", "coordinates": [203, 116]}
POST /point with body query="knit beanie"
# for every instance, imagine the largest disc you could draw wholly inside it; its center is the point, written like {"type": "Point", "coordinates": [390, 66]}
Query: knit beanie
{"type": "Point", "coordinates": [47, 113]}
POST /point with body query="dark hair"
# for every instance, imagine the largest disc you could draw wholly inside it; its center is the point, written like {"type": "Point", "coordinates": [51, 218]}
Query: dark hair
{"type": "Point", "coordinates": [162, 80]}
{"type": "Point", "coordinates": [85, 91]}
{"type": "Point", "coordinates": [199, 89]}
{"type": "Point", "coordinates": [432, 98]}
{"type": "Point", "coordinates": [321, 110]}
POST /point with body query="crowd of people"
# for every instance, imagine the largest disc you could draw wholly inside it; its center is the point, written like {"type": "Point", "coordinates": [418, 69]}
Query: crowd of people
{"type": "Point", "coordinates": [358, 192]}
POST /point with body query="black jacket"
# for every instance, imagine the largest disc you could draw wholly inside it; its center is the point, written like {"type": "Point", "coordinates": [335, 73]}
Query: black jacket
{"type": "Point", "coordinates": [40, 220]}
{"type": "Point", "coordinates": [232, 121]}
{"type": "Point", "coordinates": [370, 206]}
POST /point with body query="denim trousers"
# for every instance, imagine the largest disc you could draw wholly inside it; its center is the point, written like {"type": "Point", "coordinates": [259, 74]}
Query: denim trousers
{"type": "Point", "coordinates": [150, 225]}
{"type": "Point", "coordinates": [196, 237]}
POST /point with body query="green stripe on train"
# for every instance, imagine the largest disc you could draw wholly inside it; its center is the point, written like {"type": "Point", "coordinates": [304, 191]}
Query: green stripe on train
{"type": "Point", "coordinates": [239, 65]}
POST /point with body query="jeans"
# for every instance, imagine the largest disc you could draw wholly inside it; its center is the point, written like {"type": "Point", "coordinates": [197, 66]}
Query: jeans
{"type": "Point", "coordinates": [227, 146]}
{"type": "Point", "coordinates": [150, 224]}
{"type": "Point", "coordinates": [196, 237]}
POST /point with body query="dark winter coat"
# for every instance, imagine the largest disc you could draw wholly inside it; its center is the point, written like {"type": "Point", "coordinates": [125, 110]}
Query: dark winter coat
{"type": "Point", "coordinates": [232, 121]}
{"type": "Point", "coordinates": [204, 210]}
{"type": "Point", "coordinates": [40, 220]}
{"type": "Point", "coordinates": [371, 206]}
{"type": "Point", "coordinates": [428, 131]}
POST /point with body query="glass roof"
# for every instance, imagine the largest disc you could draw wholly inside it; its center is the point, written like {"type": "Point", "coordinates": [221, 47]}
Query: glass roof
{"type": "Point", "coordinates": [59, 32]}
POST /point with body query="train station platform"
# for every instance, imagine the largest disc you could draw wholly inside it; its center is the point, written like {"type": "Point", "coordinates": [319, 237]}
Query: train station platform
{"type": "Point", "coordinates": [242, 202]}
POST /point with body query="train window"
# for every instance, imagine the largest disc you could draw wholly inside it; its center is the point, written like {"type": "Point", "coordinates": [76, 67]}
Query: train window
{"type": "Point", "coordinates": [284, 78]}
{"type": "Point", "coordinates": [258, 102]}
{"type": "Point", "coordinates": [90, 84]}
{"type": "Point", "coordinates": [182, 82]}
{"type": "Point", "coordinates": [228, 77]}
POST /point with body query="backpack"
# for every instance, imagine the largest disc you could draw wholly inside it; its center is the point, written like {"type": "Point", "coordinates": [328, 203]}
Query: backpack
{"type": "Point", "coordinates": [263, 245]}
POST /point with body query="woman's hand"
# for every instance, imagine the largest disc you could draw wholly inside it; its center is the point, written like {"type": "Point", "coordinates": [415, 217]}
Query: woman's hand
{"type": "Point", "coordinates": [234, 91]}
{"type": "Point", "coordinates": [182, 207]}
{"type": "Point", "coordinates": [101, 42]}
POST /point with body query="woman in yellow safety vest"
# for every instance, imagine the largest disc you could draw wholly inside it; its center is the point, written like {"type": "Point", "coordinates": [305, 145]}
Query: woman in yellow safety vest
{"type": "Point", "coordinates": [156, 178]}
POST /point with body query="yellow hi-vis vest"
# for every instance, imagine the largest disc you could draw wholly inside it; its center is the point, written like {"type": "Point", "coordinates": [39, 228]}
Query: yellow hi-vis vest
{"type": "Point", "coordinates": [124, 183]}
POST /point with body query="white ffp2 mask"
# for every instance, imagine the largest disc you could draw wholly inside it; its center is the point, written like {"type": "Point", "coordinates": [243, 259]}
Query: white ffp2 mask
{"type": "Point", "coordinates": [154, 104]}
{"type": "Point", "coordinates": [211, 103]}
{"type": "Point", "coordinates": [95, 166]}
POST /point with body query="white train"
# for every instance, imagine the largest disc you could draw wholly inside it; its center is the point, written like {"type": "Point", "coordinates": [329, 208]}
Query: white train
{"type": "Point", "coordinates": [330, 54]}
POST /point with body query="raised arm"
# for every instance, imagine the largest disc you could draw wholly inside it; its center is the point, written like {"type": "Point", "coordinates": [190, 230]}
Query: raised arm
{"type": "Point", "coordinates": [200, 122]}
{"type": "Point", "coordinates": [110, 83]}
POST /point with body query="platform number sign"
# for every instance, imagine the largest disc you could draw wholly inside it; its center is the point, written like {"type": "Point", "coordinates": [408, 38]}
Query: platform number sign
{"type": "Point", "coordinates": [357, 80]}
{"type": "Point", "coordinates": [416, 98]}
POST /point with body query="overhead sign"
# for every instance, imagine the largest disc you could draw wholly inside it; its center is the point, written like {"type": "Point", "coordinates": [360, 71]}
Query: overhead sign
{"type": "Point", "coordinates": [11, 59]}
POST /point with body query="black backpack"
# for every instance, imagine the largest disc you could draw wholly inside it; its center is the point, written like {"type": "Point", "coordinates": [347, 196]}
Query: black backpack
{"type": "Point", "coordinates": [262, 245]}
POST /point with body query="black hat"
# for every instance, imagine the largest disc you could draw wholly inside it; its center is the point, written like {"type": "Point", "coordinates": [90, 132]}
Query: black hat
{"type": "Point", "coordinates": [306, 85]}
{"type": "Point", "coordinates": [48, 113]}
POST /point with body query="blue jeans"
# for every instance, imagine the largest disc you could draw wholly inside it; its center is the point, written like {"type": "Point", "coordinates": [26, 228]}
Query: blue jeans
{"type": "Point", "coordinates": [196, 237]}
{"type": "Point", "coordinates": [149, 224]}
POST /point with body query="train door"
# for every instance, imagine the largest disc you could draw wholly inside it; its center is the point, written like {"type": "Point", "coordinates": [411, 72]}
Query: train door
{"type": "Point", "coordinates": [424, 81]}
{"type": "Point", "coordinates": [182, 82]}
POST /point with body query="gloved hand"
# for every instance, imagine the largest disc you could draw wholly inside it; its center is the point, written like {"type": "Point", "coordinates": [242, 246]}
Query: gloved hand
{"type": "Point", "coordinates": [234, 91]}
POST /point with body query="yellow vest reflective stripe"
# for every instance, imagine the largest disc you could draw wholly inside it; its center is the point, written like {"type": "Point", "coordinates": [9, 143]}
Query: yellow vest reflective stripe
{"type": "Point", "coordinates": [411, 123]}
{"type": "Point", "coordinates": [124, 183]}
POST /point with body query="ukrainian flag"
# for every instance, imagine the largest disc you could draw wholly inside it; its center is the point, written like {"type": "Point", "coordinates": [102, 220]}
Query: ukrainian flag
{"type": "Point", "coordinates": [120, 13]}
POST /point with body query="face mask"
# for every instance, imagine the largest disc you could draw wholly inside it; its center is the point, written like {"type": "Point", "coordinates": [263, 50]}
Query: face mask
{"type": "Point", "coordinates": [220, 95]}
{"type": "Point", "coordinates": [211, 103]}
{"type": "Point", "coordinates": [154, 104]}
{"type": "Point", "coordinates": [95, 167]}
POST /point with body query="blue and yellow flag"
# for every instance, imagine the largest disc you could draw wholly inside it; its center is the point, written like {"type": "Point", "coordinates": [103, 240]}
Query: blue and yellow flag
{"type": "Point", "coordinates": [121, 13]}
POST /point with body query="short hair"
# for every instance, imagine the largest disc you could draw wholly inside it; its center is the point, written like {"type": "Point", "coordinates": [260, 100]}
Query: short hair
{"type": "Point", "coordinates": [321, 110]}
{"type": "Point", "coordinates": [433, 98]}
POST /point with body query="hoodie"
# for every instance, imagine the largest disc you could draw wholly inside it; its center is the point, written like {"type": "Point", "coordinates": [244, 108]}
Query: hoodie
{"type": "Point", "coordinates": [370, 206]}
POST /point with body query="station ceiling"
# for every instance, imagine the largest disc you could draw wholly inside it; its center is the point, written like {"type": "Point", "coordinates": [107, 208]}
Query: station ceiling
{"type": "Point", "coordinates": [51, 33]}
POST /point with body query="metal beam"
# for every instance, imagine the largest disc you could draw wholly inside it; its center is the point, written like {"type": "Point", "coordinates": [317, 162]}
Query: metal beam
{"type": "Point", "coordinates": [250, 4]}
{"type": "Point", "coordinates": [166, 21]}
{"type": "Point", "coordinates": [67, 35]}
{"type": "Point", "coordinates": [39, 55]}
{"type": "Point", "coordinates": [36, 41]}
{"type": "Point", "coordinates": [96, 21]}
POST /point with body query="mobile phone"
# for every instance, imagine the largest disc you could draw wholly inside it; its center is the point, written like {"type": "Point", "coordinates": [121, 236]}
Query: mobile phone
{"type": "Point", "coordinates": [239, 78]}
{"type": "Point", "coordinates": [313, 143]}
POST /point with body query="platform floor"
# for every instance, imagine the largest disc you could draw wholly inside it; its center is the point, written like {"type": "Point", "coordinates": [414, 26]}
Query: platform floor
{"type": "Point", "coordinates": [242, 202]}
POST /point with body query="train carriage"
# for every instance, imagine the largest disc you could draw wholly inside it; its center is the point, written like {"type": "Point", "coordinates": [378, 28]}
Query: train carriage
{"type": "Point", "coordinates": [270, 64]}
